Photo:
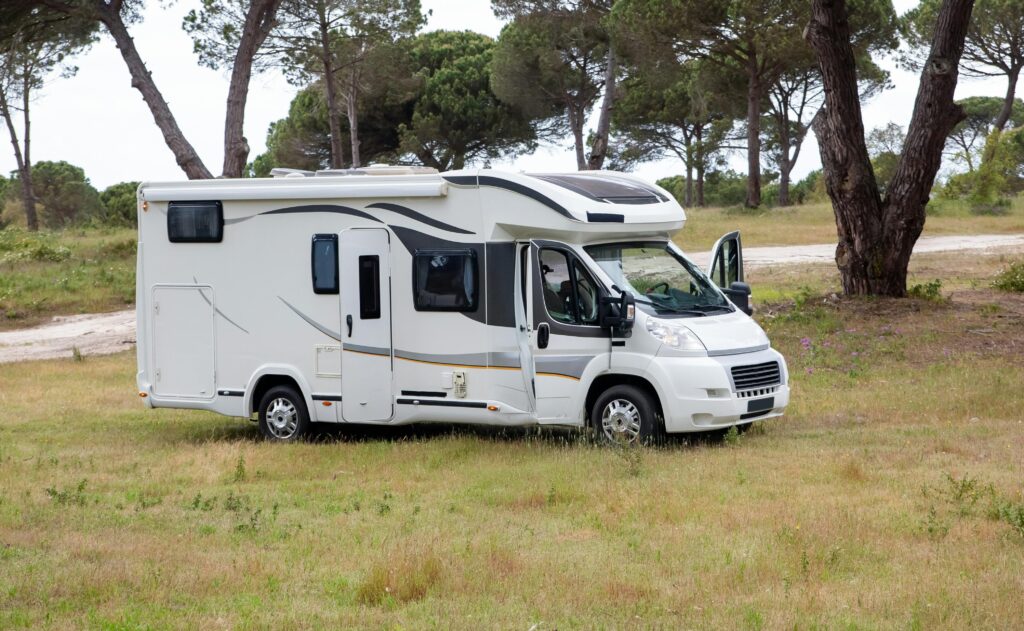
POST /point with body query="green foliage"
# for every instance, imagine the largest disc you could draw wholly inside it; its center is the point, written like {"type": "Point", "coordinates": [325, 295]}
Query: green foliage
{"type": "Point", "coordinates": [550, 64]}
{"type": "Point", "coordinates": [885, 144]}
{"type": "Point", "coordinates": [120, 205]}
{"type": "Point", "coordinates": [457, 118]}
{"type": "Point", "coordinates": [20, 246]}
{"type": "Point", "coordinates": [993, 45]}
{"type": "Point", "coordinates": [931, 290]}
{"type": "Point", "coordinates": [63, 193]}
{"type": "Point", "coordinates": [1011, 278]}
{"type": "Point", "coordinates": [678, 111]}
{"type": "Point", "coordinates": [966, 140]}
{"type": "Point", "coordinates": [302, 140]}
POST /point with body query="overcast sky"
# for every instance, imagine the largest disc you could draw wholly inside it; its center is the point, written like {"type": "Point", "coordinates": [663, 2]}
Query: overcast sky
{"type": "Point", "coordinates": [97, 121]}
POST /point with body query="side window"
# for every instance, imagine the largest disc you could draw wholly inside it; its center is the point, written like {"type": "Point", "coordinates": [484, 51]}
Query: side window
{"type": "Point", "coordinates": [195, 222]}
{"type": "Point", "coordinates": [444, 280]}
{"type": "Point", "coordinates": [369, 287]}
{"type": "Point", "coordinates": [325, 263]}
{"type": "Point", "coordinates": [570, 293]}
{"type": "Point", "coordinates": [557, 285]}
{"type": "Point", "coordinates": [587, 298]}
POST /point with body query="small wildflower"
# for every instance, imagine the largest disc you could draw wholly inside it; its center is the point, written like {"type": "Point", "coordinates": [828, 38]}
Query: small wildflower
{"type": "Point", "coordinates": [810, 371]}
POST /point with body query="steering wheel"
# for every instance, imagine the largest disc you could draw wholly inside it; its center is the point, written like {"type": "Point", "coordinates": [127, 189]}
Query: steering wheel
{"type": "Point", "coordinates": [664, 286]}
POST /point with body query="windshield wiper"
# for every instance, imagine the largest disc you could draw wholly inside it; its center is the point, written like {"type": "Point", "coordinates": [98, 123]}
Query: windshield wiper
{"type": "Point", "coordinates": [704, 308]}
{"type": "Point", "coordinates": [661, 305]}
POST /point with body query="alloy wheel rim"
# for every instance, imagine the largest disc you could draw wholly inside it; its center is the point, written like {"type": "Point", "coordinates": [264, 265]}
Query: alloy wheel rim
{"type": "Point", "coordinates": [620, 422]}
{"type": "Point", "coordinates": [282, 418]}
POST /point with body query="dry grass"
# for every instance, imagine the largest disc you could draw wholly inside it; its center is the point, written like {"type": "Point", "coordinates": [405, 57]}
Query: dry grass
{"type": "Point", "coordinates": [815, 223]}
{"type": "Point", "coordinates": [885, 498]}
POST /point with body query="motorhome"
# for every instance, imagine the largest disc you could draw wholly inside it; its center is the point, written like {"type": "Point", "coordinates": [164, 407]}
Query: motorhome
{"type": "Point", "coordinates": [396, 295]}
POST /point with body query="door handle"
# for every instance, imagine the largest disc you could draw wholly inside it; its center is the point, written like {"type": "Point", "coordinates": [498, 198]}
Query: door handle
{"type": "Point", "coordinates": [348, 322]}
{"type": "Point", "coordinates": [543, 335]}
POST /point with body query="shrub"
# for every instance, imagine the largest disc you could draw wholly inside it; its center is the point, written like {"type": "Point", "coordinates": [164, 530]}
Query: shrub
{"type": "Point", "coordinates": [17, 245]}
{"type": "Point", "coordinates": [1011, 278]}
{"type": "Point", "coordinates": [927, 291]}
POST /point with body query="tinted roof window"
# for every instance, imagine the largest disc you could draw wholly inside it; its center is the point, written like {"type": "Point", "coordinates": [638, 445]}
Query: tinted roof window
{"type": "Point", "coordinates": [606, 190]}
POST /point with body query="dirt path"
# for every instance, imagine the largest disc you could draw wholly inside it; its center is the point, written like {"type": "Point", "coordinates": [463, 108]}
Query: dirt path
{"type": "Point", "coordinates": [106, 333]}
{"type": "Point", "coordinates": [99, 334]}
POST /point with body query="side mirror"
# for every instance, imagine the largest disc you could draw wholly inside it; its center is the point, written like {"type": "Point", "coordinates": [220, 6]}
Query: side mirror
{"type": "Point", "coordinates": [739, 294]}
{"type": "Point", "coordinates": [618, 314]}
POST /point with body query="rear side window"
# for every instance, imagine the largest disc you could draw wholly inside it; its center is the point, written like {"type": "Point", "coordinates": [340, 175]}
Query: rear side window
{"type": "Point", "coordinates": [325, 263]}
{"type": "Point", "coordinates": [195, 222]}
{"type": "Point", "coordinates": [445, 280]}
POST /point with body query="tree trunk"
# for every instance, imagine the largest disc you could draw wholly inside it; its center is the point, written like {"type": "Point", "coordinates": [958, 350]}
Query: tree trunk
{"type": "Point", "coordinates": [330, 92]}
{"type": "Point", "coordinates": [576, 124]}
{"type": "Point", "coordinates": [352, 112]}
{"type": "Point", "coordinates": [699, 157]}
{"type": "Point", "coordinates": [259, 20]}
{"type": "Point", "coordinates": [876, 236]}
{"type": "Point", "coordinates": [1011, 92]}
{"type": "Point", "coordinates": [600, 149]}
{"type": "Point", "coordinates": [753, 132]}
{"type": "Point", "coordinates": [28, 199]}
{"type": "Point", "coordinates": [184, 153]}
{"type": "Point", "coordinates": [785, 165]}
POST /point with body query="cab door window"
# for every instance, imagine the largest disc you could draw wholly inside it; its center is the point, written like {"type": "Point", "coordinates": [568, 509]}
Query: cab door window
{"type": "Point", "coordinates": [570, 293]}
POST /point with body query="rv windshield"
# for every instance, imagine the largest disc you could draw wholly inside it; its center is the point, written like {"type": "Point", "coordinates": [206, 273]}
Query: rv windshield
{"type": "Point", "coordinates": [662, 281]}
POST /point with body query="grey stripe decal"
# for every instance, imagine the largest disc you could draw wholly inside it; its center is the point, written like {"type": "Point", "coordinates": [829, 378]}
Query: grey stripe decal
{"type": "Point", "coordinates": [420, 217]}
{"type": "Point", "coordinates": [739, 351]}
{"type": "Point", "coordinates": [369, 350]}
{"type": "Point", "coordinates": [218, 311]}
{"type": "Point", "coordinates": [329, 333]}
{"type": "Point", "coordinates": [504, 360]}
{"type": "Point", "coordinates": [568, 365]}
{"type": "Point", "coordinates": [469, 359]}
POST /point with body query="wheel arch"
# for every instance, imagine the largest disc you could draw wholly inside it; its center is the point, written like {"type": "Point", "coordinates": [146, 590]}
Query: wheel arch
{"type": "Point", "coordinates": [268, 377]}
{"type": "Point", "coordinates": [605, 381]}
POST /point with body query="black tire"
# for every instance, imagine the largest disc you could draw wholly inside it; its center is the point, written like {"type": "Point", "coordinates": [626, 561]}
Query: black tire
{"type": "Point", "coordinates": [283, 415]}
{"type": "Point", "coordinates": [632, 417]}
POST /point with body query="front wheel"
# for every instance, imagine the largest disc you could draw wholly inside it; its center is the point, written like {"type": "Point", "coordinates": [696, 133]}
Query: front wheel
{"type": "Point", "coordinates": [283, 415]}
{"type": "Point", "coordinates": [626, 415]}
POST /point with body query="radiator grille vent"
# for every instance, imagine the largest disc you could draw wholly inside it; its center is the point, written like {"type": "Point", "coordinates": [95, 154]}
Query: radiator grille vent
{"type": "Point", "coordinates": [756, 376]}
{"type": "Point", "coordinates": [756, 392]}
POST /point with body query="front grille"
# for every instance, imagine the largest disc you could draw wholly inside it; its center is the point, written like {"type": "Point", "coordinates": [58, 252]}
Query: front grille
{"type": "Point", "coordinates": [756, 392]}
{"type": "Point", "coordinates": [756, 376]}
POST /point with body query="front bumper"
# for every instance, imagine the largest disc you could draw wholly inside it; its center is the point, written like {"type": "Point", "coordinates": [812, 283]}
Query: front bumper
{"type": "Point", "coordinates": [697, 393]}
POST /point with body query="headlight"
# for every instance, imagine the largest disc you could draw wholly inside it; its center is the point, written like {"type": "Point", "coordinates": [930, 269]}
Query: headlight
{"type": "Point", "coordinates": [675, 335]}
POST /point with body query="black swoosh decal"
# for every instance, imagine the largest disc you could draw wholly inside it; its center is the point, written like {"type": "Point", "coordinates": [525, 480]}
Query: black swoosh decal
{"type": "Point", "coordinates": [495, 182]}
{"type": "Point", "coordinates": [322, 208]}
{"type": "Point", "coordinates": [420, 217]}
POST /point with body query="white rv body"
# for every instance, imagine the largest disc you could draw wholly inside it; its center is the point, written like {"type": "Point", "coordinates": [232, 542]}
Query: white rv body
{"type": "Point", "coordinates": [223, 320]}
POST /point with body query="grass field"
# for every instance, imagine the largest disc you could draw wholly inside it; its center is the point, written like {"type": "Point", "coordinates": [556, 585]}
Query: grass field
{"type": "Point", "coordinates": [814, 223]}
{"type": "Point", "coordinates": [93, 271]}
{"type": "Point", "coordinates": [890, 496]}
{"type": "Point", "coordinates": [85, 271]}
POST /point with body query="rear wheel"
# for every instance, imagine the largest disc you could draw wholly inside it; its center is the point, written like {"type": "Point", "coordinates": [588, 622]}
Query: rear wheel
{"type": "Point", "coordinates": [626, 415]}
{"type": "Point", "coordinates": [283, 415]}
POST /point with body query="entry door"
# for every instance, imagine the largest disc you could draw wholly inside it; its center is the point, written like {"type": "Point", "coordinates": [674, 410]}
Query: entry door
{"type": "Point", "coordinates": [567, 336]}
{"type": "Point", "coordinates": [364, 272]}
{"type": "Point", "coordinates": [524, 324]}
{"type": "Point", "coordinates": [726, 265]}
